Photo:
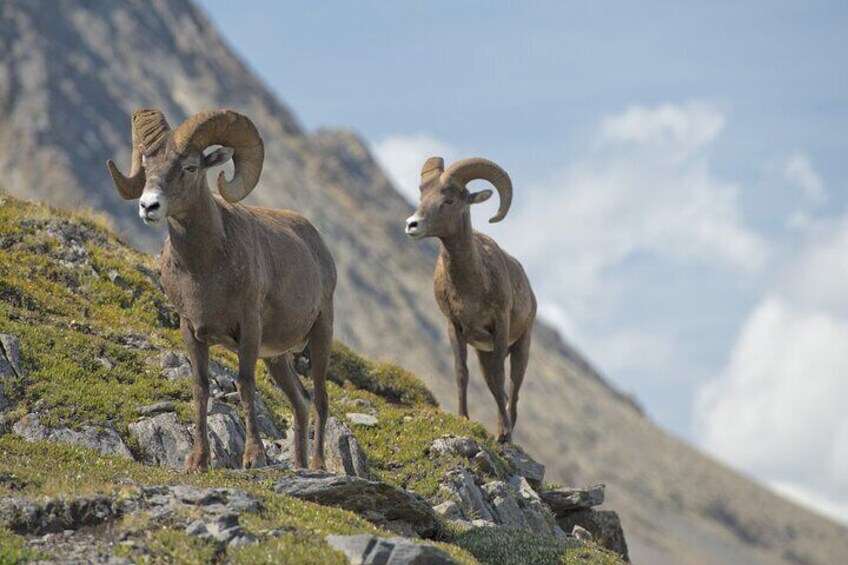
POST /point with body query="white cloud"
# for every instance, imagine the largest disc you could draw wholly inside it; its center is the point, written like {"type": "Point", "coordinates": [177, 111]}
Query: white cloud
{"type": "Point", "coordinates": [778, 408]}
{"type": "Point", "coordinates": [401, 157]}
{"type": "Point", "coordinates": [646, 187]}
{"type": "Point", "coordinates": [799, 170]}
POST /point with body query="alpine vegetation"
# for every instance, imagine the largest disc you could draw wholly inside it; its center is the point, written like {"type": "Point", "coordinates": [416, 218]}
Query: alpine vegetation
{"type": "Point", "coordinates": [258, 281]}
{"type": "Point", "coordinates": [482, 290]}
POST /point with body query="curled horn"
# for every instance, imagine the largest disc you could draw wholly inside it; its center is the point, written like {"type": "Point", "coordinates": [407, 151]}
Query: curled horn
{"type": "Point", "coordinates": [149, 129]}
{"type": "Point", "coordinates": [466, 170]}
{"type": "Point", "coordinates": [231, 129]}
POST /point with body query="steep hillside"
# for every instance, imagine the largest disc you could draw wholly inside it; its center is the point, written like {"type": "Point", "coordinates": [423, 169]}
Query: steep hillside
{"type": "Point", "coordinates": [70, 74]}
{"type": "Point", "coordinates": [95, 425]}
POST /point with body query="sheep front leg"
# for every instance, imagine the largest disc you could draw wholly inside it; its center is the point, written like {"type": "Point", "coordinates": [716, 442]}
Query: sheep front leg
{"type": "Point", "coordinates": [321, 346]}
{"type": "Point", "coordinates": [198, 354]}
{"type": "Point", "coordinates": [248, 352]}
{"type": "Point", "coordinates": [460, 356]}
{"type": "Point", "coordinates": [492, 363]}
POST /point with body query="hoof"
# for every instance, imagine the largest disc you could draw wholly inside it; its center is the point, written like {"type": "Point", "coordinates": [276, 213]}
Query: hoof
{"type": "Point", "coordinates": [505, 438]}
{"type": "Point", "coordinates": [197, 462]}
{"type": "Point", "coordinates": [254, 457]}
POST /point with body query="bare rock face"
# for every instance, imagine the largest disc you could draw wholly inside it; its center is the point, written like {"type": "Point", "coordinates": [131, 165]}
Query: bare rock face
{"type": "Point", "coordinates": [367, 548]}
{"type": "Point", "coordinates": [604, 525]}
{"type": "Point", "coordinates": [103, 439]}
{"type": "Point", "coordinates": [395, 509]}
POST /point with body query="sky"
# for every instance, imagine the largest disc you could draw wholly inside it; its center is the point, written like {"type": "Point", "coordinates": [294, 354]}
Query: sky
{"type": "Point", "coordinates": [680, 186]}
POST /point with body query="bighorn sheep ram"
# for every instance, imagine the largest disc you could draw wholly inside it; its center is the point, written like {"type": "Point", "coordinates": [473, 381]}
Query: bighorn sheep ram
{"type": "Point", "coordinates": [482, 290]}
{"type": "Point", "coordinates": [257, 281]}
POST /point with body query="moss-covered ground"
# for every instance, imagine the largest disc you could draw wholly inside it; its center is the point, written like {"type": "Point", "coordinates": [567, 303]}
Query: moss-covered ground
{"type": "Point", "coordinates": [90, 315]}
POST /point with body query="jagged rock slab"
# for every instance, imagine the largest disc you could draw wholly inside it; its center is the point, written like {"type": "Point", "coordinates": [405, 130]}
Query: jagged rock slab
{"type": "Point", "coordinates": [367, 549]}
{"type": "Point", "coordinates": [103, 439]}
{"type": "Point", "coordinates": [56, 514]}
{"type": "Point", "coordinates": [343, 455]}
{"type": "Point", "coordinates": [383, 504]}
{"type": "Point", "coordinates": [506, 508]}
{"type": "Point", "coordinates": [157, 408]}
{"type": "Point", "coordinates": [460, 486]}
{"type": "Point", "coordinates": [604, 525]}
{"type": "Point", "coordinates": [566, 499]}
{"type": "Point", "coordinates": [523, 465]}
{"type": "Point", "coordinates": [227, 435]}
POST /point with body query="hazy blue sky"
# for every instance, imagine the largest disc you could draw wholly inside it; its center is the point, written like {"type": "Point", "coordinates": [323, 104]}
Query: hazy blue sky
{"type": "Point", "coordinates": [680, 186]}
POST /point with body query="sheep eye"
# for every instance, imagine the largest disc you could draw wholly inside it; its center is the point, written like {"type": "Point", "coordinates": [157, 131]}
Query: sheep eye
{"type": "Point", "coordinates": [190, 168]}
{"type": "Point", "coordinates": [449, 202]}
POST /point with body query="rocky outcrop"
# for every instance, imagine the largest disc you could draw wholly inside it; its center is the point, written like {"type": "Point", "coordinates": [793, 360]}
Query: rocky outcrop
{"type": "Point", "coordinates": [10, 367]}
{"type": "Point", "coordinates": [103, 439]}
{"type": "Point", "coordinates": [369, 549]}
{"type": "Point", "coordinates": [395, 509]}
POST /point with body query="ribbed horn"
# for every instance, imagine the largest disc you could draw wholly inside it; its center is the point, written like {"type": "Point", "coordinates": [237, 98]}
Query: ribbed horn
{"type": "Point", "coordinates": [231, 129]}
{"type": "Point", "coordinates": [149, 129]}
{"type": "Point", "coordinates": [466, 170]}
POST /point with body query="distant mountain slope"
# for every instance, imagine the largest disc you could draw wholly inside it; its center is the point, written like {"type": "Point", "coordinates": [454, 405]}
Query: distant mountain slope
{"type": "Point", "coordinates": [70, 74]}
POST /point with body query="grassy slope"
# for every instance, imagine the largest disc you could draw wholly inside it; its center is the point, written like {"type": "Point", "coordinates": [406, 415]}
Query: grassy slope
{"type": "Point", "coordinates": [81, 302]}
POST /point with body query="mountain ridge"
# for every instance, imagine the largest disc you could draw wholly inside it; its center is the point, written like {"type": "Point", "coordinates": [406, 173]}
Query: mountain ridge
{"type": "Point", "coordinates": [71, 73]}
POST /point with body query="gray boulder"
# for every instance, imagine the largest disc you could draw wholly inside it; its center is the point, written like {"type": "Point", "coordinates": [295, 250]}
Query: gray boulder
{"type": "Point", "coordinates": [361, 419]}
{"type": "Point", "coordinates": [382, 504]}
{"type": "Point", "coordinates": [103, 439]}
{"type": "Point", "coordinates": [368, 549]}
{"type": "Point", "coordinates": [450, 445]}
{"type": "Point", "coordinates": [567, 499]}
{"type": "Point", "coordinates": [162, 439]}
{"type": "Point", "coordinates": [603, 525]}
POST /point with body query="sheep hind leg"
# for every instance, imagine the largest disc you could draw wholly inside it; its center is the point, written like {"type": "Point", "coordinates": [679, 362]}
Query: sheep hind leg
{"type": "Point", "coordinates": [519, 355]}
{"type": "Point", "coordinates": [283, 373]}
{"type": "Point", "coordinates": [321, 345]}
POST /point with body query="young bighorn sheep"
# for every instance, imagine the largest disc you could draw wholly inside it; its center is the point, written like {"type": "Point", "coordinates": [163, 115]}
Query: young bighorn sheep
{"type": "Point", "coordinates": [257, 281]}
{"type": "Point", "coordinates": [482, 290]}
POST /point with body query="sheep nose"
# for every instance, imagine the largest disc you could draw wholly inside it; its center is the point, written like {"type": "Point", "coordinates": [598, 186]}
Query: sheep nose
{"type": "Point", "coordinates": [149, 207]}
{"type": "Point", "coordinates": [412, 227]}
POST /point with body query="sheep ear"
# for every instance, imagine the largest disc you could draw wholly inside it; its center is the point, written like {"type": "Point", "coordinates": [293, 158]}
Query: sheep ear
{"type": "Point", "coordinates": [218, 157]}
{"type": "Point", "coordinates": [478, 197]}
